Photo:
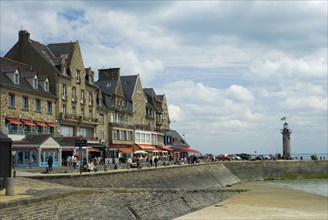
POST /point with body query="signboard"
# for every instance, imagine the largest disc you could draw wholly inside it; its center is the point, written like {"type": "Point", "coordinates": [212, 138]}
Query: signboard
{"type": "Point", "coordinates": [80, 143]}
{"type": "Point", "coordinates": [80, 148]}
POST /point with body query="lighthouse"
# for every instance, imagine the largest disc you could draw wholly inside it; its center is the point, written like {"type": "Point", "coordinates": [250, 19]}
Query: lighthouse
{"type": "Point", "coordinates": [286, 141]}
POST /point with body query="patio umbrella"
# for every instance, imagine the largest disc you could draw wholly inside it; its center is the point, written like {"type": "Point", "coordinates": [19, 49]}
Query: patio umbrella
{"type": "Point", "coordinates": [140, 152]}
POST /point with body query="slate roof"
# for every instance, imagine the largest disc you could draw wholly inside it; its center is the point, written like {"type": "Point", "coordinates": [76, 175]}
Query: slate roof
{"type": "Point", "coordinates": [180, 142]}
{"type": "Point", "coordinates": [35, 139]}
{"type": "Point", "coordinates": [108, 86]}
{"type": "Point", "coordinates": [128, 84]}
{"type": "Point", "coordinates": [151, 96]}
{"type": "Point", "coordinates": [23, 84]}
{"type": "Point", "coordinates": [59, 49]}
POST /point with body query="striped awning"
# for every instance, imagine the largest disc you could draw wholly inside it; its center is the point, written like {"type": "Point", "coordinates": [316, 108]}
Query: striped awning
{"type": "Point", "coordinates": [13, 121]}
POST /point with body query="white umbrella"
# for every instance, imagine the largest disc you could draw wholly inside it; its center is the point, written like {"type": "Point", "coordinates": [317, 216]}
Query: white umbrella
{"type": "Point", "coordinates": [140, 152]}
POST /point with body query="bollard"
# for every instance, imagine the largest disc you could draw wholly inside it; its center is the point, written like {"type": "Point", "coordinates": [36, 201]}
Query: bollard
{"type": "Point", "coordinates": [14, 173]}
{"type": "Point", "coordinates": [9, 181]}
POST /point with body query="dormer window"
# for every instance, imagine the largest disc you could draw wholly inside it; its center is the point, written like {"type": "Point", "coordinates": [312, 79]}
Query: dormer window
{"type": "Point", "coordinates": [46, 85]}
{"type": "Point", "coordinates": [35, 82]}
{"type": "Point", "coordinates": [64, 70]}
{"type": "Point", "coordinates": [16, 78]}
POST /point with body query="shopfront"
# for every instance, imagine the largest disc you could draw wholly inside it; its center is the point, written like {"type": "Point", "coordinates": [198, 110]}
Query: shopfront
{"type": "Point", "coordinates": [34, 150]}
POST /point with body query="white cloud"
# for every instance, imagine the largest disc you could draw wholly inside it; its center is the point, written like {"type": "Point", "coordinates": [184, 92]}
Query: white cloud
{"type": "Point", "coordinates": [230, 70]}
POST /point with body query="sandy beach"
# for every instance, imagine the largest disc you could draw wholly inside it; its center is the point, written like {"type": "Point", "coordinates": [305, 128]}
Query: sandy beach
{"type": "Point", "coordinates": [265, 201]}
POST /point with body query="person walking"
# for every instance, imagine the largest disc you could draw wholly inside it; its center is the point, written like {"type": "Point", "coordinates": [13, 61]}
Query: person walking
{"type": "Point", "coordinates": [50, 161]}
{"type": "Point", "coordinates": [138, 162]}
{"type": "Point", "coordinates": [128, 162]}
{"type": "Point", "coordinates": [155, 161]}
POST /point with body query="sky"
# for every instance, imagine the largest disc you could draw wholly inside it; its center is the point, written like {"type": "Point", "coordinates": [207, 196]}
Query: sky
{"type": "Point", "coordinates": [230, 70]}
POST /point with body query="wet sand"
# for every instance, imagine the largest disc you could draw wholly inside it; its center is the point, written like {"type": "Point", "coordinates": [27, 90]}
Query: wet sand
{"type": "Point", "coordinates": [265, 201]}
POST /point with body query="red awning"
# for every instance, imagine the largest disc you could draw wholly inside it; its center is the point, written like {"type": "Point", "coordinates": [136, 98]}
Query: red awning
{"type": "Point", "coordinates": [157, 148]}
{"type": "Point", "coordinates": [188, 149]}
{"type": "Point", "coordinates": [51, 124]}
{"type": "Point", "coordinates": [40, 123]}
{"type": "Point", "coordinates": [67, 149]}
{"type": "Point", "coordinates": [14, 121]}
{"type": "Point", "coordinates": [125, 150]}
{"type": "Point", "coordinates": [146, 146]}
{"type": "Point", "coordinates": [167, 148]}
{"type": "Point", "coordinates": [28, 122]}
{"type": "Point", "coordinates": [92, 149]}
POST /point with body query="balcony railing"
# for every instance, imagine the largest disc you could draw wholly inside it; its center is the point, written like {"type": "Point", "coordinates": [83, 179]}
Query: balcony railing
{"type": "Point", "coordinates": [22, 132]}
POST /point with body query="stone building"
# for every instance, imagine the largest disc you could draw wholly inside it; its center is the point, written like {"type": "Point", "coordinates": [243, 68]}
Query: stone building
{"type": "Point", "coordinates": [115, 111]}
{"type": "Point", "coordinates": [27, 104]}
{"type": "Point", "coordinates": [76, 107]}
{"type": "Point", "coordinates": [119, 112]}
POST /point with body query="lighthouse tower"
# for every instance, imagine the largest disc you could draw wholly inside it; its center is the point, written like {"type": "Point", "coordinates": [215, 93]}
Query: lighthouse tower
{"type": "Point", "coordinates": [286, 141]}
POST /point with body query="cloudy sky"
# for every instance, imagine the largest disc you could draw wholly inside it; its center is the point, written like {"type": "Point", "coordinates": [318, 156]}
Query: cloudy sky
{"type": "Point", "coordinates": [230, 70]}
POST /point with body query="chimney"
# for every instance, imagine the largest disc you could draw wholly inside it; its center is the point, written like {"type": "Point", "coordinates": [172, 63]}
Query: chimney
{"type": "Point", "coordinates": [23, 35]}
{"type": "Point", "coordinates": [109, 74]}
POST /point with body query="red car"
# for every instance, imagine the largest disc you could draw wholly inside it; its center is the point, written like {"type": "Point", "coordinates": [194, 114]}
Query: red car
{"type": "Point", "coordinates": [224, 157]}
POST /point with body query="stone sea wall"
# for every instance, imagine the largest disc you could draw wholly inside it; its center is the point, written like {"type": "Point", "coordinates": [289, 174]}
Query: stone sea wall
{"type": "Point", "coordinates": [259, 170]}
{"type": "Point", "coordinates": [198, 176]}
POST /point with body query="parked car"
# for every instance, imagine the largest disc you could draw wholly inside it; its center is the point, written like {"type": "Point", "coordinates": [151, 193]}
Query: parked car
{"type": "Point", "coordinates": [224, 157]}
{"type": "Point", "coordinates": [234, 157]}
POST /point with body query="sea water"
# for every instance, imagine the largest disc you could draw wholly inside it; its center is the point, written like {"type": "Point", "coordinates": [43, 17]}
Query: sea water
{"type": "Point", "coordinates": [317, 186]}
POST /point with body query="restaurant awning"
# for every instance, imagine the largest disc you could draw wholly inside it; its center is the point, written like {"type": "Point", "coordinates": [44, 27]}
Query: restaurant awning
{"type": "Point", "coordinates": [167, 148]}
{"type": "Point", "coordinates": [40, 123]}
{"type": "Point", "coordinates": [51, 124]}
{"type": "Point", "coordinates": [14, 121]}
{"type": "Point", "coordinates": [146, 146]}
{"type": "Point", "coordinates": [28, 122]}
{"type": "Point", "coordinates": [125, 150]}
{"type": "Point", "coordinates": [189, 150]}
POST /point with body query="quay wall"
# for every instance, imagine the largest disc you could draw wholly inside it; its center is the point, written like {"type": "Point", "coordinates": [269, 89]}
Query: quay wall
{"type": "Point", "coordinates": [198, 176]}
{"type": "Point", "coordinates": [259, 170]}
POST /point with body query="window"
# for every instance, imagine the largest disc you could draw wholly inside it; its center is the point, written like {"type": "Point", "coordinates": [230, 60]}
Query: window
{"type": "Point", "coordinates": [82, 112]}
{"type": "Point", "coordinates": [86, 132]}
{"type": "Point", "coordinates": [122, 135]}
{"type": "Point", "coordinates": [101, 119]}
{"type": "Point", "coordinates": [115, 136]}
{"type": "Point", "coordinates": [90, 115]}
{"type": "Point", "coordinates": [35, 82]}
{"type": "Point", "coordinates": [82, 97]}
{"type": "Point", "coordinates": [73, 94]}
{"type": "Point", "coordinates": [64, 92]}
{"type": "Point", "coordinates": [46, 85]}
{"type": "Point", "coordinates": [49, 108]}
{"type": "Point", "coordinates": [16, 78]}
{"type": "Point", "coordinates": [102, 135]}
{"type": "Point", "coordinates": [90, 99]}
{"type": "Point", "coordinates": [64, 108]}
{"type": "Point", "coordinates": [129, 136]}
{"type": "Point", "coordinates": [77, 76]}
{"type": "Point", "coordinates": [11, 100]}
{"type": "Point", "coordinates": [37, 105]}
{"type": "Point", "coordinates": [137, 138]}
{"type": "Point", "coordinates": [73, 112]}
{"type": "Point", "coordinates": [147, 138]}
{"type": "Point", "coordinates": [25, 103]}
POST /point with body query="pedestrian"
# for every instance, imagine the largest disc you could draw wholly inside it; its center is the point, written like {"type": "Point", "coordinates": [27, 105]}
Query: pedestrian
{"type": "Point", "coordinates": [74, 162]}
{"type": "Point", "coordinates": [50, 161]}
{"type": "Point", "coordinates": [155, 161]}
{"type": "Point", "coordinates": [138, 163]}
{"type": "Point", "coordinates": [151, 161]}
{"type": "Point", "coordinates": [128, 163]}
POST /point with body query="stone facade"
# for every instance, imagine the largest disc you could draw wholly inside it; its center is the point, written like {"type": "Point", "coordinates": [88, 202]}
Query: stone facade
{"type": "Point", "coordinates": [80, 108]}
